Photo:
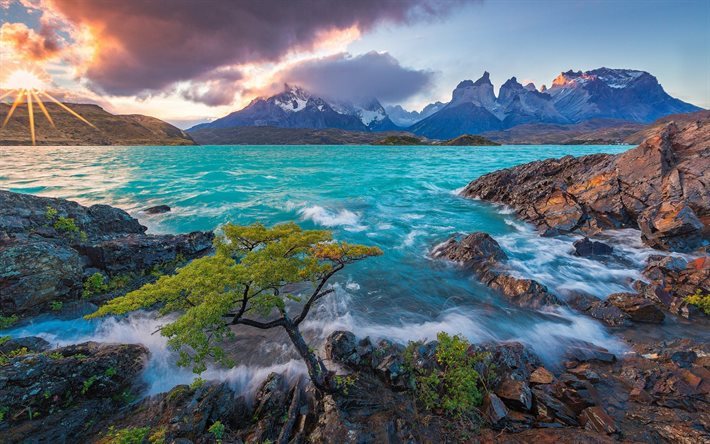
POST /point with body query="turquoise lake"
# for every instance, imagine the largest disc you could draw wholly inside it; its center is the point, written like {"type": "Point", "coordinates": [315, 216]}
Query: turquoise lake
{"type": "Point", "coordinates": [402, 199]}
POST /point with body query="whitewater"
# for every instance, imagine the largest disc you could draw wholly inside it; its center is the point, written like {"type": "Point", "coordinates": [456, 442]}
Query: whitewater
{"type": "Point", "coordinates": [401, 199]}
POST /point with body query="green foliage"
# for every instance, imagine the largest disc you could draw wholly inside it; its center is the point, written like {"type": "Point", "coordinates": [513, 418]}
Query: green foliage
{"type": "Point", "coordinates": [119, 281]}
{"type": "Point", "coordinates": [56, 305]}
{"type": "Point", "coordinates": [455, 387]}
{"type": "Point", "coordinates": [4, 339]}
{"type": "Point", "coordinates": [110, 372]}
{"type": "Point", "coordinates": [344, 382]}
{"type": "Point", "coordinates": [3, 412]}
{"type": "Point", "coordinates": [251, 274]}
{"type": "Point", "coordinates": [217, 429]}
{"type": "Point", "coordinates": [5, 357]}
{"type": "Point", "coordinates": [55, 355]}
{"type": "Point", "coordinates": [197, 383]}
{"type": "Point", "coordinates": [129, 435]}
{"type": "Point", "coordinates": [95, 284]}
{"type": "Point", "coordinates": [64, 225]}
{"type": "Point", "coordinates": [700, 300]}
{"type": "Point", "coordinates": [88, 383]}
{"type": "Point", "coordinates": [7, 321]}
{"type": "Point", "coordinates": [157, 437]}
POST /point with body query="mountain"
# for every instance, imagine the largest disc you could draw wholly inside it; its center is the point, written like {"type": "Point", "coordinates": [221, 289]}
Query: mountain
{"type": "Point", "coordinates": [620, 94]}
{"type": "Point", "coordinates": [405, 118]}
{"type": "Point", "coordinates": [613, 93]}
{"type": "Point", "coordinates": [297, 108]}
{"type": "Point", "coordinates": [111, 129]}
{"type": "Point", "coordinates": [269, 135]}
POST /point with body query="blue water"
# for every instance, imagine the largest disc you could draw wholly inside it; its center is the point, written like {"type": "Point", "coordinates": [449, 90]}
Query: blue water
{"type": "Point", "coordinates": [402, 199]}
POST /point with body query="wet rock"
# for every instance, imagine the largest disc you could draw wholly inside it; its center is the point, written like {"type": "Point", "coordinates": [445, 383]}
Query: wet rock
{"type": "Point", "coordinates": [638, 308]}
{"type": "Point", "coordinates": [541, 376]}
{"type": "Point", "coordinates": [480, 253]}
{"type": "Point", "coordinates": [582, 351]}
{"type": "Point", "coordinates": [515, 394]}
{"type": "Point", "coordinates": [671, 280]}
{"type": "Point", "coordinates": [599, 309]}
{"type": "Point", "coordinates": [659, 186]}
{"type": "Point", "coordinates": [596, 420]}
{"type": "Point", "coordinates": [587, 248]}
{"type": "Point", "coordinates": [388, 364]}
{"type": "Point", "coordinates": [31, 343]}
{"type": "Point", "coordinates": [548, 408]}
{"type": "Point", "coordinates": [49, 395]}
{"type": "Point", "coordinates": [511, 360]}
{"type": "Point", "coordinates": [158, 209]}
{"type": "Point", "coordinates": [494, 410]}
{"type": "Point", "coordinates": [684, 359]}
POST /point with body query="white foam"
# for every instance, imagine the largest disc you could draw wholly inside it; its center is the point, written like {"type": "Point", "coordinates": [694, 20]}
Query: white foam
{"type": "Point", "coordinates": [329, 218]}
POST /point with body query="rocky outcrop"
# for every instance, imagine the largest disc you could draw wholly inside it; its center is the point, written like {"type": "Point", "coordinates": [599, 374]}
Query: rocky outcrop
{"type": "Point", "coordinates": [49, 246]}
{"type": "Point", "coordinates": [658, 187]}
{"type": "Point", "coordinates": [481, 254]}
{"type": "Point", "coordinates": [588, 248]}
{"type": "Point", "coordinates": [52, 396]}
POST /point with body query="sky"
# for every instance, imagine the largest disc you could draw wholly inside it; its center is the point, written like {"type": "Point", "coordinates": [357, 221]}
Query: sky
{"type": "Point", "coordinates": [190, 61]}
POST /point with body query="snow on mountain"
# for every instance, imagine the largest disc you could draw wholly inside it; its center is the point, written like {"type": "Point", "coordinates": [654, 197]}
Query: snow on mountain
{"type": "Point", "coordinates": [405, 118]}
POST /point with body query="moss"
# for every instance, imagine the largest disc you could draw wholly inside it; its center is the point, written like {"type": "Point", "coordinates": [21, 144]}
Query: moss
{"type": "Point", "coordinates": [64, 225]}
{"type": "Point", "coordinates": [56, 305]}
{"type": "Point", "coordinates": [700, 300]}
{"type": "Point", "coordinates": [129, 435]}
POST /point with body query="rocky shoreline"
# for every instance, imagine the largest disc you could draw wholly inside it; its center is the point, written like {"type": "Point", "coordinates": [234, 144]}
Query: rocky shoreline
{"type": "Point", "coordinates": [63, 258]}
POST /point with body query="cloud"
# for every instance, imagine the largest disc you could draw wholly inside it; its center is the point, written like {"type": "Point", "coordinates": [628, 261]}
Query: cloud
{"type": "Point", "coordinates": [28, 44]}
{"type": "Point", "coordinates": [373, 74]}
{"type": "Point", "coordinates": [215, 88]}
{"type": "Point", "coordinates": [144, 45]}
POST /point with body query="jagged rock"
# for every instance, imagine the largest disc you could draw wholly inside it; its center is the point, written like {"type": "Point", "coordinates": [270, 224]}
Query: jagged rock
{"type": "Point", "coordinates": [49, 246]}
{"type": "Point", "coordinates": [541, 376]}
{"type": "Point", "coordinates": [50, 396]}
{"type": "Point", "coordinates": [582, 351]}
{"type": "Point", "coordinates": [638, 308]}
{"type": "Point", "coordinates": [158, 209]}
{"type": "Point", "coordinates": [659, 186]}
{"type": "Point", "coordinates": [599, 309]}
{"type": "Point", "coordinates": [588, 248]}
{"type": "Point", "coordinates": [31, 343]}
{"type": "Point", "coordinates": [596, 420]}
{"type": "Point", "coordinates": [480, 253]}
{"type": "Point", "coordinates": [548, 408]}
{"type": "Point", "coordinates": [516, 394]}
{"type": "Point", "coordinates": [494, 409]}
{"type": "Point", "coordinates": [512, 360]}
{"type": "Point", "coordinates": [672, 279]}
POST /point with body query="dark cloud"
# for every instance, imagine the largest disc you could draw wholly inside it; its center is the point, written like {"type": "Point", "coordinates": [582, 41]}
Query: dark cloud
{"type": "Point", "coordinates": [369, 75]}
{"type": "Point", "coordinates": [215, 88]}
{"type": "Point", "coordinates": [30, 44]}
{"type": "Point", "coordinates": [149, 44]}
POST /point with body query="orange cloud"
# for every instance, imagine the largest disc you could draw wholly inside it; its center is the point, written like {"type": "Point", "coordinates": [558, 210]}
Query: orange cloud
{"type": "Point", "coordinates": [25, 43]}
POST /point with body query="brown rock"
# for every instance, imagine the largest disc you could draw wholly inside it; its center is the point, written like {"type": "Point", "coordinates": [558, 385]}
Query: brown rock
{"type": "Point", "coordinates": [515, 394]}
{"type": "Point", "coordinates": [494, 409]}
{"type": "Point", "coordinates": [541, 376]}
{"type": "Point", "coordinates": [595, 419]}
{"type": "Point", "coordinates": [638, 308]}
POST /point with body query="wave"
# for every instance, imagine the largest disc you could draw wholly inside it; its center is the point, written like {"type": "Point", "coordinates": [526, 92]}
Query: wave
{"type": "Point", "coordinates": [329, 218]}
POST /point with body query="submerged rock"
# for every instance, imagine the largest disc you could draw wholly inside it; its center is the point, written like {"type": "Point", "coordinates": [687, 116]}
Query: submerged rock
{"type": "Point", "coordinates": [659, 186]}
{"type": "Point", "coordinates": [481, 254]}
{"type": "Point", "coordinates": [638, 308]}
{"type": "Point", "coordinates": [158, 209]}
{"type": "Point", "coordinates": [588, 248]}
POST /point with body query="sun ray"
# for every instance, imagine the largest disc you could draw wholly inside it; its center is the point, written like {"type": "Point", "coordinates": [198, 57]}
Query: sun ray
{"type": "Point", "coordinates": [44, 110]}
{"type": "Point", "coordinates": [71, 111]}
{"type": "Point", "coordinates": [7, 94]}
{"type": "Point", "coordinates": [17, 101]}
{"type": "Point", "coordinates": [31, 113]}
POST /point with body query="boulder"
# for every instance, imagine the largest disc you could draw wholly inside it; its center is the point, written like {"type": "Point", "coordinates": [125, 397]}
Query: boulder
{"type": "Point", "coordinates": [494, 410]}
{"type": "Point", "coordinates": [31, 343]}
{"type": "Point", "coordinates": [515, 394]}
{"type": "Point", "coordinates": [541, 376]}
{"type": "Point", "coordinates": [158, 209]}
{"type": "Point", "coordinates": [595, 419]}
{"type": "Point", "coordinates": [475, 250]}
{"type": "Point", "coordinates": [588, 248]}
{"type": "Point", "coordinates": [659, 186]}
{"type": "Point", "coordinates": [599, 309]}
{"type": "Point", "coordinates": [638, 308]}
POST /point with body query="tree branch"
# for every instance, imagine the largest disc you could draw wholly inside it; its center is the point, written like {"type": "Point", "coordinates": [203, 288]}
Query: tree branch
{"type": "Point", "coordinates": [317, 294]}
{"type": "Point", "coordinates": [262, 325]}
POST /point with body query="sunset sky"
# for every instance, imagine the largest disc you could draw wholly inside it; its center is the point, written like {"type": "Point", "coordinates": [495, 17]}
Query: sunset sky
{"type": "Point", "coordinates": [188, 61]}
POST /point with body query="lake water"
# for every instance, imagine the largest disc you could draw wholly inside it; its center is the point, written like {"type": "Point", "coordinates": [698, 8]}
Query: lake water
{"type": "Point", "coordinates": [402, 199]}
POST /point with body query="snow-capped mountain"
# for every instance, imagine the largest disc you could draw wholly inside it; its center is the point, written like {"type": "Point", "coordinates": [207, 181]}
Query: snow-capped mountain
{"type": "Point", "coordinates": [613, 93]}
{"type": "Point", "coordinates": [297, 108]}
{"type": "Point", "coordinates": [623, 94]}
{"type": "Point", "coordinates": [404, 118]}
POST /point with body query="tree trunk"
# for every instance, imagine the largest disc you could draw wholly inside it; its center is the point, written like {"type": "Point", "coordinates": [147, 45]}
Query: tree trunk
{"type": "Point", "coordinates": [316, 369]}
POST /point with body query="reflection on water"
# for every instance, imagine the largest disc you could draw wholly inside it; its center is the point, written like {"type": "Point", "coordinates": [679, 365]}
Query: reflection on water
{"type": "Point", "coordinates": [401, 199]}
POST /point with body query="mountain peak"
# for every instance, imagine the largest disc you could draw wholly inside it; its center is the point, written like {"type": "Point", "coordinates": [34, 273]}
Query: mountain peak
{"type": "Point", "coordinates": [484, 80]}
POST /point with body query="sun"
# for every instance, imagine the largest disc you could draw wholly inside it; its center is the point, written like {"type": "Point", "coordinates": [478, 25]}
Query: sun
{"type": "Point", "coordinates": [29, 87]}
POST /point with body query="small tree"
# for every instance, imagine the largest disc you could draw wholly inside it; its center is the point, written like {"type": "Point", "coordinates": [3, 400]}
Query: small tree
{"type": "Point", "coordinates": [253, 273]}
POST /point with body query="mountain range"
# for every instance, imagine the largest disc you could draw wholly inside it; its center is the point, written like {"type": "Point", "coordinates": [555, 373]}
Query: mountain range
{"type": "Point", "coordinates": [615, 96]}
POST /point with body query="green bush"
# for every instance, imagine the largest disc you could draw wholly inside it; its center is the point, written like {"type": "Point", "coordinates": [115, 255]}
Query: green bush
{"type": "Point", "coordinates": [56, 305]}
{"type": "Point", "coordinates": [64, 225]}
{"type": "Point", "coordinates": [129, 435]}
{"type": "Point", "coordinates": [217, 429]}
{"type": "Point", "coordinates": [700, 300]}
{"type": "Point", "coordinates": [455, 387]}
{"type": "Point", "coordinates": [7, 321]}
{"type": "Point", "coordinates": [95, 284]}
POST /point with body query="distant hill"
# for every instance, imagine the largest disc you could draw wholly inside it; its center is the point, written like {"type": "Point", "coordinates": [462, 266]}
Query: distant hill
{"type": "Point", "coordinates": [131, 129]}
{"type": "Point", "coordinates": [591, 132]}
{"type": "Point", "coordinates": [469, 140]}
{"type": "Point", "coordinates": [267, 135]}
{"type": "Point", "coordinates": [652, 129]}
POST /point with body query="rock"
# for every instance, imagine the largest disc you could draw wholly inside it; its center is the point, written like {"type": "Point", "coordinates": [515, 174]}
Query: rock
{"type": "Point", "coordinates": [44, 261]}
{"type": "Point", "coordinates": [684, 359]}
{"type": "Point", "coordinates": [638, 308]}
{"type": "Point", "coordinates": [659, 186]}
{"type": "Point", "coordinates": [599, 309]}
{"type": "Point", "coordinates": [34, 273]}
{"type": "Point", "coordinates": [515, 394]}
{"type": "Point", "coordinates": [587, 248]}
{"type": "Point", "coordinates": [582, 351]}
{"type": "Point", "coordinates": [494, 409]}
{"type": "Point", "coordinates": [31, 343]}
{"type": "Point", "coordinates": [480, 253]}
{"type": "Point", "coordinates": [596, 420]}
{"type": "Point", "coordinates": [541, 376]}
{"type": "Point", "coordinates": [549, 408]}
{"type": "Point", "coordinates": [672, 279]}
{"type": "Point", "coordinates": [511, 360]}
{"type": "Point", "coordinates": [158, 209]}
{"type": "Point", "coordinates": [65, 386]}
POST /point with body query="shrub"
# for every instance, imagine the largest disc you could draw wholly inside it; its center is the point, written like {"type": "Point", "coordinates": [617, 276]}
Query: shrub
{"type": "Point", "coordinates": [455, 387]}
{"type": "Point", "coordinates": [217, 429]}
{"type": "Point", "coordinates": [700, 300]}
{"type": "Point", "coordinates": [129, 435]}
{"type": "Point", "coordinates": [64, 225]}
{"type": "Point", "coordinates": [88, 383]}
{"type": "Point", "coordinates": [56, 305]}
{"type": "Point", "coordinates": [94, 284]}
{"type": "Point", "coordinates": [7, 321]}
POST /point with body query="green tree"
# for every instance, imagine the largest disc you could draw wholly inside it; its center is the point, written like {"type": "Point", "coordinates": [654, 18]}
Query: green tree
{"type": "Point", "coordinates": [248, 281]}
